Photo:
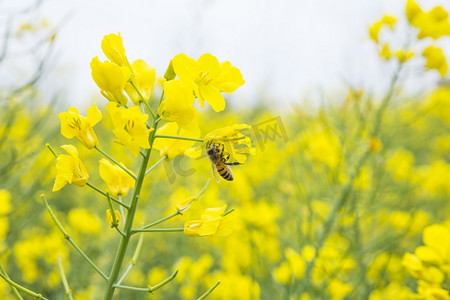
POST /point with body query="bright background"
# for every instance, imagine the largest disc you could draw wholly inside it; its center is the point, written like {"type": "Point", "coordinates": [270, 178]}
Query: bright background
{"type": "Point", "coordinates": [287, 49]}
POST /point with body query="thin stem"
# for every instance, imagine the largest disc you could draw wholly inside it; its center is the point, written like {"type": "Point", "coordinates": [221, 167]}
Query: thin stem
{"type": "Point", "coordinates": [142, 98]}
{"type": "Point", "coordinates": [158, 230]}
{"type": "Point", "coordinates": [14, 290]}
{"type": "Point", "coordinates": [208, 291]}
{"type": "Point", "coordinates": [114, 161]}
{"type": "Point", "coordinates": [21, 288]}
{"type": "Point", "coordinates": [178, 212]}
{"type": "Point", "coordinates": [120, 231]}
{"type": "Point", "coordinates": [160, 221]}
{"type": "Point", "coordinates": [122, 215]}
{"type": "Point", "coordinates": [104, 194]}
{"type": "Point", "coordinates": [345, 192]}
{"type": "Point", "coordinates": [155, 164]}
{"type": "Point", "coordinates": [51, 150]}
{"type": "Point", "coordinates": [178, 138]}
{"type": "Point", "coordinates": [133, 259]}
{"type": "Point", "coordinates": [115, 223]}
{"type": "Point", "coordinates": [69, 239]}
{"type": "Point", "coordinates": [150, 288]}
{"type": "Point", "coordinates": [228, 212]}
{"type": "Point", "coordinates": [64, 280]}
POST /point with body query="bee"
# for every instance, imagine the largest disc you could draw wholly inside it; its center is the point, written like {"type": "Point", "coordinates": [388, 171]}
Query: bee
{"type": "Point", "coordinates": [219, 161]}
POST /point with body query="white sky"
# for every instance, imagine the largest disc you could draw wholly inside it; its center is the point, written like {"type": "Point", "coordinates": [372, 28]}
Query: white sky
{"type": "Point", "coordinates": [286, 48]}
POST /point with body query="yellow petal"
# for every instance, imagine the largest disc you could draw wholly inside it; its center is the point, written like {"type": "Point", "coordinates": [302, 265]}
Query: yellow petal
{"type": "Point", "coordinates": [212, 95]}
{"type": "Point", "coordinates": [185, 67]}
{"type": "Point", "coordinates": [93, 115]}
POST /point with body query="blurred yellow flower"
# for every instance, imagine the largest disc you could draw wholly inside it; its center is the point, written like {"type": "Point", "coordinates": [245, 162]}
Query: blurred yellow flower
{"type": "Point", "coordinates": [75, 125]}
{"type": "Point", "coordinates": [112, 46]}
{"type": "Point", "coordinates": [84, 221]}
{"type": "Point", "coordinates": [130, 127]}
{"type": "Point", "coordinates": [69, 169]}
{"type": "Point", "coordinates": [5, 202]}
{"type": "Point", "coordinates": [404, 55]}
{"type": "Point", "coordinates": [282, 273]}
{"type": "Point", "coordinates": [435, 59]}
{"type": "Point", "coordinates": [178, 104]}
{"type": "Point", "coordinates": [173, 147]}
{"type": "Point", "coordinates": [144, 78]}
{"type": "Point", "coordinates": [235, 143]}
{"type": "Point", "coordinates": [385, 52]}
{"type": "Point", "coordinates": [338, 289]}
{"type": "Point", "coordinates": [118, 181]}
{"type": "Point", "coordinates": [211, 223]}
{"type": "Point", "coordinates": [374, 29]}
{"type": "Point", "coordinates": [111, 79]}
{"type": "Point", "coordinates": [296, 261]}
{"type": "Point", "coordinates": [110, 219]}
{"type": "Point", "coordinates": [208, 78]}
{"type": "Point", "coordinates": [432, 24]}
{"type": "Point", "coordinates": [412, 10]}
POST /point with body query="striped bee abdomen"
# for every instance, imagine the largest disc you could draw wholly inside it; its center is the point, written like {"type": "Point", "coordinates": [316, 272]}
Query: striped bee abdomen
{"type": "Point", "coordinates": [225, 172]}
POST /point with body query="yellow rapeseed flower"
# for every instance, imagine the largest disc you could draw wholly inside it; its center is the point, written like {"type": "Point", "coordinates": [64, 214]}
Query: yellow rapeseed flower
{"type": "Point", "coordinates": [118, 181]}
{"type": "Point", "coordinates": [75, 125]}
{"type": "Point", "coordinates": [374, 29]}
{"type": "Point", "coordinates": [178, 103]}
{"type": "Point", "coordinates": [435, 59]}
{"type": "Point", "coordinates": [69, 169]}
{"type": "Point", "coordinates": [144, 78]}
{"type": "Point", "coordinates": [130, 127]}
{"type": "Point", "coordinates": [208, 78]}
{"type": "Point", "coordinates": [338, 289]}
{"type": "Point", "coordinates": [211, 223]}
{"type": "Point", "coordinates": [173, 147]}
{"type": "Point", "coordinates": [111, 79]}
{"type": "Point", "coordinates": [432, 24]}
{"type": "Point", "coordinates": [404, 55]}
{"type": "Point", "coordinates": [235, 143]}
{"type": "Point", "coordinates": [112, 46]}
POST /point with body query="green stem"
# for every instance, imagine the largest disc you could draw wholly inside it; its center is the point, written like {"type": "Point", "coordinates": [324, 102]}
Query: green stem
{"type": "Point", "coordinates": [106, 195]}
{"type": "Point", "coordinates": [69, 239]}
{"type": "Point", "coordinates": [158, 230]}
{"type": "Point", "coordinates": [64, 280]}
{"type": "Point", "coordinates": [51, 150]}
{"type": "Point", "coordinates": [178, 138]}
{"type": "Point", "coordinates": [150, 288]}
{"type": "Point", "coordinates": [21, 288]}
{"type": "Point", "coordinates": [156, 164]}
{"type": "Point", "coordinates": [129, 220]}
{"type": "Point", "coordinates": [14, 290]}
{"type": "Point", "coordinates": [114, 161]}
{"type": "Point", "coordinates": [133, 259]}
{"type": "Point", "coordinates": [208, 291]}
{"type": "Point", "coordinates": [160, 221]}
{"type": "Point", "coordinates": [228, 212]}
{"type": "Point", "coordinates": [143, 99]}
{"type": "Point", "coordinates": [345, 192]}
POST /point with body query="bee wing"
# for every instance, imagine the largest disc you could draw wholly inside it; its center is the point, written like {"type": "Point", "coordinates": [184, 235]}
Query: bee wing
{"type": "Point", "coordinates": [215, 173]}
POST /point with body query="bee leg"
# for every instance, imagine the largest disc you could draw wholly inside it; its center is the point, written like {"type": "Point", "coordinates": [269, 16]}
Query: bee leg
{"type": "Point", "coordinates": [233, 164]}
{"type": "Point", "coordinates": [208, 144]}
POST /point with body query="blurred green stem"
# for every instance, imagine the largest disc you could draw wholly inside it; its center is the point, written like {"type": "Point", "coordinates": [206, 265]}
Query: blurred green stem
{"type": "Point", "coordinates": [143, 99]}
{"type": "Point", "coordinates": [64, 280]}
{"type": "Point", "coordinates": [69, 239]}
{"type": "Point", "coordinates": [14, 290]}
{"type": "Point", "coordinates": [208, 291]}
{"type": "Point", "coordinates": [150, 288]}
{"type": "Point", "coordinates": [133, 259]}
{"type": "Point", "coordinates": [346, 190]}
{"type": "Point", "coordinates": [21, 288]}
